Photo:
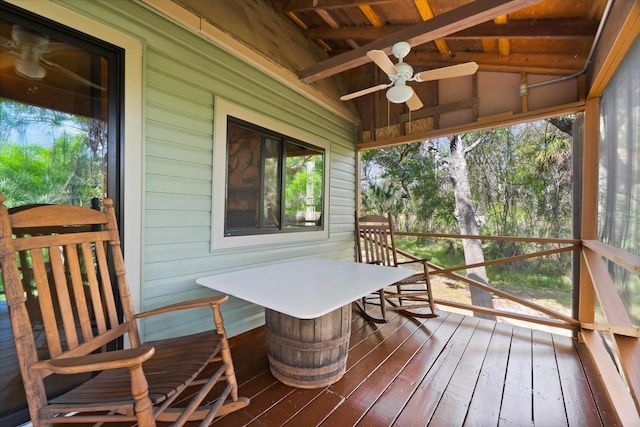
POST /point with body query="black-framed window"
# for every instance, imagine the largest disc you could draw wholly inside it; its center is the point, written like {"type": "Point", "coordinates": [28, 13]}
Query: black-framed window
{"type": "Point", "coordinates": [274, 183]}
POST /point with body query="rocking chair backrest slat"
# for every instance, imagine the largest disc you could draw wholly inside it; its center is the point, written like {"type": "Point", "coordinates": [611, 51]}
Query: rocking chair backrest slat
{"type": "Point", "coordinates": [74, 263]}
{"type": "Point", "coordinates": [95, 293]}
{"type": "Point", "coordinates": [61, 288]}
{"type": "Point", "coordinates": [375, 242]}
{"type": "Point", "coordinates": [63, 253]}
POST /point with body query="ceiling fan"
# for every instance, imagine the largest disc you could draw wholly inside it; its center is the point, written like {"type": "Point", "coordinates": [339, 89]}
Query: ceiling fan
{"type": "Point", "coordinates": [25, 53]}
{"type": "Point", "coordinates": [401, 73]}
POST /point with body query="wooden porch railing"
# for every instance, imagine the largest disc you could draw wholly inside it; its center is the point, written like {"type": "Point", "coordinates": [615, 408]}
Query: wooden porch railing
{"type": "Point", "coordinates": [619, 362]}
{"type": "Point", "coordinates": [621, 373]}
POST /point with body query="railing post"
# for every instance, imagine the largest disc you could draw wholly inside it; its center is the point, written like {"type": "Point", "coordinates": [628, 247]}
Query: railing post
{"type": "Point", "coordinates": [589, 208]}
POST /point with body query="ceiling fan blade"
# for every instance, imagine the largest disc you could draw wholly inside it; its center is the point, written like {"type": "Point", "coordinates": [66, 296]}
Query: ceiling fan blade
{"type": "Point", "coordinates": [382, 60]}
{"type": "Point", "coordinates": [71, 74]}
{"type": "Point", "coordinates": [447, 72]}
{"type": "Point", "coordinates": [364, 92]}
{"type": "Point", "coordinates": [414, 102]}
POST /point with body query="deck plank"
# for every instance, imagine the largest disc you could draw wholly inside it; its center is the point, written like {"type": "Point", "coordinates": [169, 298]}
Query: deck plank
{"type": "Point", "coordinates": [484, 408]}
{"type": "Point", "coordinates": [457, 397]}
{"type": "Point", "coordinates": [600, 396]}
{"type": "Point", "coordinates": [426, 397]}
{"type": "Point", "coordinates": [548, 403]}
{"type": "Point", "coordinates": [394, 398]}
{"type": "Point", "coordinates": [578, 400]}
{"type": "Point", "coordinates": [392, 363]}
{"type": "Point", "coordinates": [517, 407]}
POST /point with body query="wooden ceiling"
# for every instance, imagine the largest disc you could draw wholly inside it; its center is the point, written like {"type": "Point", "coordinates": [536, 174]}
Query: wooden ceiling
{"type": "Point", "coordinates": [547, 37]}
{"type": "Point", "coordinates": [525, 40]}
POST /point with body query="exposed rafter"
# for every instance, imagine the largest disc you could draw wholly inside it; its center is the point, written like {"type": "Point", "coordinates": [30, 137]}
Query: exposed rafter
{"type": "Point", "coordinates": [541, 63]}
{"type": "Point", "coordinates": [427, 13]}
{"type": "Point", "coordinates": [310, 5]}
{"type": "Point", "coordinates": [521, 29]}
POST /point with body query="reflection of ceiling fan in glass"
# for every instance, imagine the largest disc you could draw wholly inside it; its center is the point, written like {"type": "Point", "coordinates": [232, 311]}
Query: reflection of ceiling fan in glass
{"type": "Point", "coordinates": [401, 73]}
{"type": "Point", "coordinates": [25, 53]}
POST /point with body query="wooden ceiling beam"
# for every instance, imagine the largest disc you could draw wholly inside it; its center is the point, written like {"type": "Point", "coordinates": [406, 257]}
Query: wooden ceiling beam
{"type": "Point", "coordinates": [521, 29]}
{"type": "Point", "coordinates": [311, 5]}
{"type": "Point", "coordinates": [504, 45]}
{"type": "Point", "coordinates": [372, 16]}
{"type": "Point", "coordinates": [326, 17]}
{"type": "Point", "coordinates": [537, 63]}
{"type": "Point", "coordinates": [465, 16]}
{"type": "Point", "coordinates": [426, 13]}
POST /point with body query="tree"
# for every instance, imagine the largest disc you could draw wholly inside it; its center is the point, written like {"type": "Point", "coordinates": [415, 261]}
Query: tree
{"type": "Point", "coordinates": [456, 166]}
{"type": "Point", "coordinates": [406, 182]}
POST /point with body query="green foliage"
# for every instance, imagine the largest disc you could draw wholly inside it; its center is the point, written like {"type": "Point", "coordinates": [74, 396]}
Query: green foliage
{"type": "Point", "coordinates": [304, 178]}
{"type": "Point", "coordinates": [406, 182]}
{"type": "Point", "coordinates": [69, 169]}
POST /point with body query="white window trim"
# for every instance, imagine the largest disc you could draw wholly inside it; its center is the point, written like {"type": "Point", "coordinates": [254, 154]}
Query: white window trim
{"type": "Point", "coordinates": [224, 109]}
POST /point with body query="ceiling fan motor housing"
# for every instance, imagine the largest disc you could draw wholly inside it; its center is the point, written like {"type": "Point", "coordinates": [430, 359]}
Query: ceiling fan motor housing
{"type": "Point", "coordinates": [405, 71]}
{"type": "Point", "coordinates": [400, 50]}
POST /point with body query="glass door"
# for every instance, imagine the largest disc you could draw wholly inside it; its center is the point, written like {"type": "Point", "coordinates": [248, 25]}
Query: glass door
{"type": "Point", "coordinates": [60, 125]}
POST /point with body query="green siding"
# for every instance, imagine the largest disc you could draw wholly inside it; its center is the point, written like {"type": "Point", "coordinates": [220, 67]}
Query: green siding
{"type": "Point", "coordinates": [183, 75]}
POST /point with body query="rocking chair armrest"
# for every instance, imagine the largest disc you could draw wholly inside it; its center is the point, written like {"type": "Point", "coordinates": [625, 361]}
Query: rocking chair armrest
{"type": "Point", "coordinates": [200, 302]}
{"type": "Point", "coordinates": [98, 362]}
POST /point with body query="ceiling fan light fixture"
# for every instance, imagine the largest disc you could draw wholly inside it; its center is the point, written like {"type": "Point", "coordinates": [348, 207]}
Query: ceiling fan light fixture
{"type": "Point", "coordinates": [399, 93]}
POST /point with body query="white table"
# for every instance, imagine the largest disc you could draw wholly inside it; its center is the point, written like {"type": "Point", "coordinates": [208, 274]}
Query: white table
{"type": "Point", "coordinates": [307, 311]}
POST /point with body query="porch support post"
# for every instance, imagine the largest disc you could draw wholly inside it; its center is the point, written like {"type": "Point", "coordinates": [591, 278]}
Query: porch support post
{"type": "Point", "coordinates": [586, 293]}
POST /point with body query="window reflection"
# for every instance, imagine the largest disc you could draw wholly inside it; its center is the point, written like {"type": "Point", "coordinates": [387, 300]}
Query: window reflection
{"type": "Point", "coordinates": [274, 184]}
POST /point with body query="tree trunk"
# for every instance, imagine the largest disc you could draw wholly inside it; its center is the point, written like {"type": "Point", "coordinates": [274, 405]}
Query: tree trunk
{"type": "Point", "coordinates": [465, 215]}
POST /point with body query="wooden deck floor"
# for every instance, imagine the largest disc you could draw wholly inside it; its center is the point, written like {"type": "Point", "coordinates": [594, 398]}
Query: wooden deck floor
{"type": "Point", "coordinates": [452, 370]}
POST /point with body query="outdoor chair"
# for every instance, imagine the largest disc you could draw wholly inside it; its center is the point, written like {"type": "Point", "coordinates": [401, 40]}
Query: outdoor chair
{"type": "Point", "coordinates": [375, 244]}
{"type": "Point", "coordinates": [71, 255]}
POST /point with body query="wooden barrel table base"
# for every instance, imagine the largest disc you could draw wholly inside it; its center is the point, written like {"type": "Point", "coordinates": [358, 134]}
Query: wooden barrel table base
{"type": "Point", "coordinates": [308, 353]}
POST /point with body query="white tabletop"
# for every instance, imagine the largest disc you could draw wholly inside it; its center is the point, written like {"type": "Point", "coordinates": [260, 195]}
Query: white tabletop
{"type": "Point", "coordinates": [308, 288]}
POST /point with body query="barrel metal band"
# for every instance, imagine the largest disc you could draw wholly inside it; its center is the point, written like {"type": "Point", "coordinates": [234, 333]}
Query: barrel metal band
{"type": "Point", "coordinates": [333, 368]}
{"type": "Point", "coordinates": [306, 346]}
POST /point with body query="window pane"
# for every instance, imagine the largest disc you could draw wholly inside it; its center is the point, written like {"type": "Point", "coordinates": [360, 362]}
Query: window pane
{"type": "Point", "coordinates": [303, 186]}
{"type": "Point", "coordinates": [272, 185]}
{"type": "Point", "coordinates": [243, 177]}
{"type": "Point", "coordinates": [272, 198]}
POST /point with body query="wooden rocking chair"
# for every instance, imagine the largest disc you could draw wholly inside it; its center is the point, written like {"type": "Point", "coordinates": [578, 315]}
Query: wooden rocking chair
{"type": "Point", "coordinates": [142, 384]}
{"type": "Point", "coordinates": [375, 244]}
